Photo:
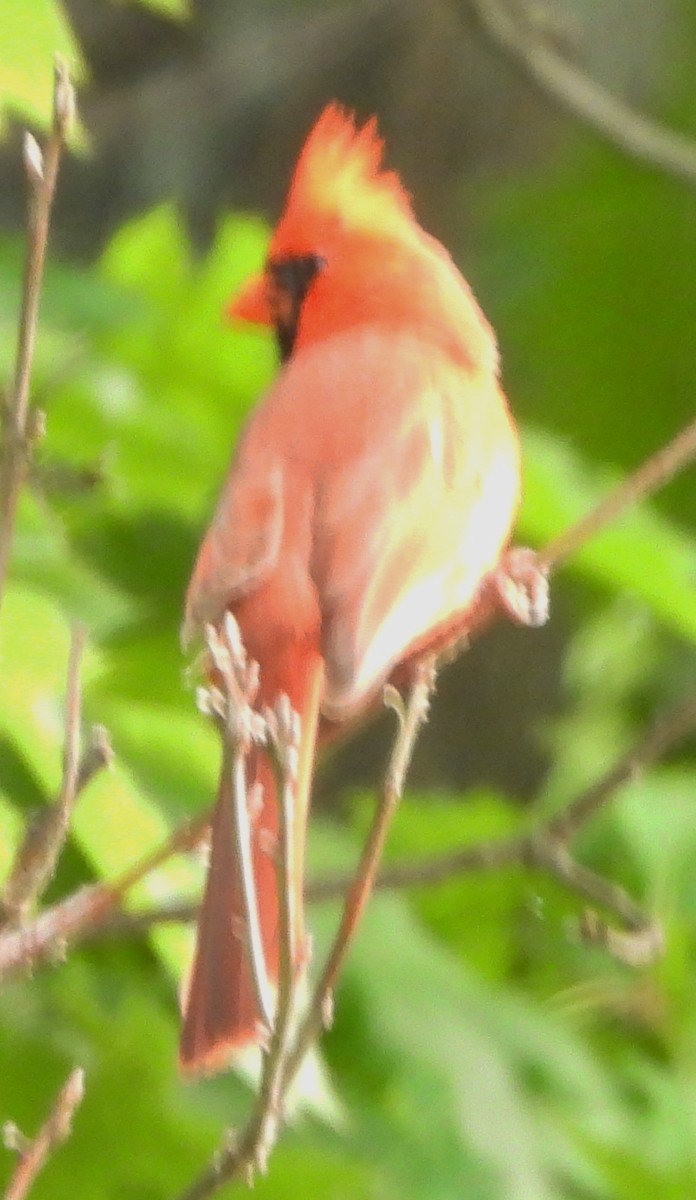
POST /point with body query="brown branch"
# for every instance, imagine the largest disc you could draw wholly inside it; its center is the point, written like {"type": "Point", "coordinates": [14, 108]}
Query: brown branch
{"type": "Point", "coordinates": [542, 849]}
{"type": "Point", "coordinates": [38, 854]}
{"type": "Point", "coordinates": [651, 475]}
{"type": "Point", "coordinates": [664, 733]}
{"type": "Point", "coordinates": [48, 935]}
{"type": "Point", "coordinates": [238, 1155]}
{"type": "Point", "coordinates": [72, 919]}
{"type": "Point", "coordinates": [19, 431]}
{"type": "Point", "coordinates": [75, 918]}
{"type": "Point", "coordinates": [55, 1129]}
{"type": "Point", "coordinates": [95, 911]}
{"type": "Point", "coordinates": [96, 756]}
{"type": "Point", "coordinates": [510, 28]}
{"type": "Point", "coordinates": [411, 718]}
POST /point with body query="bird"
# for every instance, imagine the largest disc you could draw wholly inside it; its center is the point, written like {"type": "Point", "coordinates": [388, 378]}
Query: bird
{"type": "Point", "coordinates": [371, 495]}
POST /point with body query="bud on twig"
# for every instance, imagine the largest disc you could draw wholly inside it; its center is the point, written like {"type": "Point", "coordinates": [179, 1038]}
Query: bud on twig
{"type": "Point", "coordinates": [33, 159]}
{"type": "Point", "coordinates": [63, 99]}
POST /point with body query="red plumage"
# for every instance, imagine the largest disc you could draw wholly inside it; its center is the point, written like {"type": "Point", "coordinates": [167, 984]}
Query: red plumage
{"type": "Point", "coordinates": [371, 492]}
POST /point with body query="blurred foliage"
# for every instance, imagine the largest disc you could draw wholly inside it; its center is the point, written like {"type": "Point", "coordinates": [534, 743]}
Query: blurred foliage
{"type": "Point", "coordinates": [477, 1051]}
{"type": "Point", "coordinates": [33, 32]}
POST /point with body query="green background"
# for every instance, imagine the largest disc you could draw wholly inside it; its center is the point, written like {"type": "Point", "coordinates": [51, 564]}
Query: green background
{"type": "Point", "coordinates": [478, 1050]}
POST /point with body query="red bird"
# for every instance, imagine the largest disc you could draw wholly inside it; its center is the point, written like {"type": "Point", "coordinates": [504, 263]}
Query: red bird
{"type": "Point", "coordinates": [372, 492]}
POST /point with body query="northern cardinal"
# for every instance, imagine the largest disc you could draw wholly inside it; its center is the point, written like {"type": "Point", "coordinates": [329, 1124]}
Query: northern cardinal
{"type": "Point", "coordinates": [371, 493]}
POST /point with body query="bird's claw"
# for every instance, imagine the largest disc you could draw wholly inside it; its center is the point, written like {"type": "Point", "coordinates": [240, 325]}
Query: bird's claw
{"type": "Point", "coordinates": [521, 586]}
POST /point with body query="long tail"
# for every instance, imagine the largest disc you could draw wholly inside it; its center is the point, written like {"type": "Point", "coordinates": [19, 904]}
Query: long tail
{"type": "Point", "coordinates": [220, 1009]}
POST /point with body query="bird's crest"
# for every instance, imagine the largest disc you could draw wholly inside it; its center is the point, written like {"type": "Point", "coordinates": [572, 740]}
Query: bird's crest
{"type": "Point", "coordinates": [339, 176]}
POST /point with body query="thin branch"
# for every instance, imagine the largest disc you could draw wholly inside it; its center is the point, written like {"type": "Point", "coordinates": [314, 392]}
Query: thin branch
{"type": "Point", "coordinates": [48, 935]}
{"type": "Point", "coordinates": [651, 475]}
{"type": "Point", "coordinates": [18, 430]}
{"type": "Point", "coordinates": [55, 1129]}
{"type": "Point", "coordinates": [411, 718]}
{"type": "Point", "coordinates": [542, 849]}
{"type": "Point", "coordinates": [639, 947]}
{"type": "Point", "coordinates": [96, 756]}
{"type": "Point", "coordinates": [95, 911]}
{"type": "Point", "coordinates": [72, 919]}
{"type": "Point", "coordinates": [667, 731]}
{"type": "Point", "coordinates": [511, 29]}
{"type": "Point", "coordinates": [36, 859]}
{"type": "Point", "coordinates": [77, 916]}
{"type": "Point", "coordinates": [238, 1155]}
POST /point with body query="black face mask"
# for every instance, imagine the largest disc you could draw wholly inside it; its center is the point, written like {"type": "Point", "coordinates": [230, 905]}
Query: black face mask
{"type": "Point", "coordinates": [292, 276]}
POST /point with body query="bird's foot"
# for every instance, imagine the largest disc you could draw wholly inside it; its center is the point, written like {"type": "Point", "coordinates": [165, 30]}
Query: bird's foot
{"type": "Point", "coordinates": [521, 586]}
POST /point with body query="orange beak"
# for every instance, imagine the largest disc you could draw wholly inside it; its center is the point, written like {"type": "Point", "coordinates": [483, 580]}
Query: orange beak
{"type": "Point", "coordinates": [251, 303]}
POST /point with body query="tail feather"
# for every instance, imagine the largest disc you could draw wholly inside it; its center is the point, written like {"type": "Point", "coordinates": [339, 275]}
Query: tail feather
{"type": "Point", "coordinates": [221, 1015]}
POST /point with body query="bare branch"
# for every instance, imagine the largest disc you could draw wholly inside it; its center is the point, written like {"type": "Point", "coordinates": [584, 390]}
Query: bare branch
{"type": "Point", "coordinates": [663, 734]}
{"type": "Point", "coordinates": [96, 755]}
{"type": "Point", "coordinates": [19, 431]}
{"type": "Point", "coordinates": [654, 473]}
{"type": "Point", "coordinates": [36, 859]}
{"type": "Point", "coordinates": [511, 29]}
{"type": "Point", "coordinates": [651, 475]}
{"type": "Point", "coordinates": [185, 837]}
{"type": "Point", "coordinates": [94, 911]}
{"type": "Point", "coordinates": [542, 849]}
{"type": "Point", "coordinates": [411, 718]}
{"type": "Point", "coordinates": [56, 1128]}
{"type": "Point", "coordinates": [238, 1155]}
{"type": "Point", "coordinates": [48, 935]}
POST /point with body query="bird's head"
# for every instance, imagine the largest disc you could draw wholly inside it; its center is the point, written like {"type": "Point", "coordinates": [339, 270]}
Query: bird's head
{"type": "Point", "coordinates": [348, 250]}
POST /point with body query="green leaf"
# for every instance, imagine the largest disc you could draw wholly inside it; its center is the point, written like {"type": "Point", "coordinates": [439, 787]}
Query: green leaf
{"type": "Point", "coordinates": [437, 1062]}
{"type": "Point", "coordinates": [32, 32]}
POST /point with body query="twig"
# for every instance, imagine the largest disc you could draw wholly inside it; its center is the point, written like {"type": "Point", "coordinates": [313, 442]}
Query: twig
{"type": "Point", "coordinates": [243, 1155]}
{"type": "Point", "coordinates": [48, 934]}
{"type": "Point", "coordinates": [663, 734]}
{"type": "Point", "coordinates": [18, 430]}
{"type": "Point", "coordinates": [94, 911]}
{"type": "Point", "coordinates": [411, 718]}
{"type": "Point", "coordinates": [36, 859]}
{"type": "Point", "coordinates": [64, 922]}
{"type": "Point", "coordinates": [71, 919]}
{"type": "Point", "coordinates": [237, 1155]}
{"type": "Point", "coordinates": [637, 136]}
{"type": "Point", "coordinates": [55, 1129]}
{"type": "Point", "coordinates": [543, 848]}
{"type": "Point", "coordinates": [96, 755]}
{"type": "Point", "coordinates": [651, 475]}
{"type": "Point", "coordinates": [639, 947]}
